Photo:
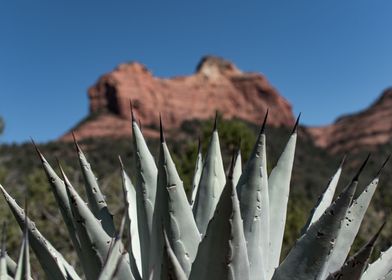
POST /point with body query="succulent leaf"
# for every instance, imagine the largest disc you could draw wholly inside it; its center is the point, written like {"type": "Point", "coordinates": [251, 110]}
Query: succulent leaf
{"type": "Point", "coordinates": [353, 267]}
{"type": "Point", "coordinates": [325, 199]}
{"type": "Point", "coordinates": [222, 253]}
{"type": "Point", "coordinates": [96, 200]}
{"type": "Point", "coordinates": [113, 260]}
{"type": "Point", "coordinates": [212, 182]}
{"type": "Point", "coordinates": [171, 268]}
{"type": "Point", "coordinates": [52, 262]}
{"type": "Point", "coordinates": [237, 168]}
{"type": "Point", "coordinates": [60, 194]}
{"type": "Point", "coordinates": [93, 238]}
{"type": "Point", "coordinates": [196, 175]}
{"type": "Point", "coordinates": [23, 270]}
{"type": "Point", "coordinates": [349, 229]}
{"type": "Point", "coordinates": [278, 190]}
{"type": "Point", "coordinates": [146, 188]}
{"type": "Point", "coordinates": [174, 212]}
{"type": "Point", "coordinates": [89, 232]}
{"type": "Point", "coordinates": [253, 195]}
{"type": "Point", "coordinates": [131, 214]}
{"type": "Point", "coordinates": [381, 268]}
{"type": "Point", "coordinates": [310, 252]}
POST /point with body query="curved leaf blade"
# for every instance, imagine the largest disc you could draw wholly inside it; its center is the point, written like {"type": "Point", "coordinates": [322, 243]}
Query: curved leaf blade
{"type": "Point", "coordinates": [171, 268]}
{"type": "Point", "coordinates": [325, 199]}
{"type": "Point", "coordinates": [311, 251]}
{"type": "Point", "coordinates": [350, 228]}
{"type": "Point", "coordinates": [174, 214]}
{"type": "Point", "coordinates": [52, 262]}
{"type": "Point", "coordinates": [196, 176]}
{"type": "Point", "coordinates": [93, 238]}
{"type": "Point", "coordinates": [95, 198]}
{"type": "Point", "coordinates": [381, 268]}
{"type": "Point", "coordinates": [146, 189]}
{"type": "Point", "coordinates": [253, 195]}
{"type": "Point", "coordinates": [278, 190]}
{"type": "Point", "coordinates": [131, 214]}
{"type": "Point", "coordinates": [222, 253]}
{"type": "Point", "coordinates": [212, 182]}
{"type": "Point", "coordinates": [237, 168]}
{"type": "Point", "coordinates": [353, 268]}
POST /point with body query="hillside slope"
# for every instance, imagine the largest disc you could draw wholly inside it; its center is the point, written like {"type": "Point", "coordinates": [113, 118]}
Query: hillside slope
{"type": "Point", "coordinates": [366, 129]}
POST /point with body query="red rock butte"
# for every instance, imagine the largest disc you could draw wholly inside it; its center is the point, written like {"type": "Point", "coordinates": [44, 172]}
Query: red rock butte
{"type": "Point", "coordinates": [217, 85]}
{"type": "Point", "coordinates": [368, 128]}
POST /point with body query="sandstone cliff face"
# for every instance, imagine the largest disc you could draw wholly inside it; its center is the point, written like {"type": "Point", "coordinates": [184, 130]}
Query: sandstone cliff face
{"type": "Point", "coordinates": [367, 128]}
{"type": "Point", "coordinates": [217, 85]}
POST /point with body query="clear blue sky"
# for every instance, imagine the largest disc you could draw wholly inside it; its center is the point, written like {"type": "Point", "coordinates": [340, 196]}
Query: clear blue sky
{"type": "Point", "coordinates": [326, 57]}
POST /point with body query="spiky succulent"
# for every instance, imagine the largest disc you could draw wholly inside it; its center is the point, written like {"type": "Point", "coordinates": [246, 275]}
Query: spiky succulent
{"type": "Point", "coordinates": [231, 227]}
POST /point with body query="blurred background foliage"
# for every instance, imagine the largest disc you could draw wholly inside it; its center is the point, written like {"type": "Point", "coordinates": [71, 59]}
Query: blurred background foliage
{"type": "Point", "coordinates": [22, 176]}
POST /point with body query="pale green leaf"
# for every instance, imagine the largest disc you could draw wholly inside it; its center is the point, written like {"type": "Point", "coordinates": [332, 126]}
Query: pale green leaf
{"type": "Point", "coordinates": [253, 195]}
{"type": "Point", "coordinates": [23, 270]}
{"type": "Point", "coordinates": [325, 199]}
{"type": "Point", "coordinates": [381, 268]}
{"type": "Point", "coordinates": [171, 268]}
{"type": "Point", "coordinates": [353, 267]}
{"type": "Point", "coordinates": [278, 190]}
{"type": "Point", "coordinates": [222, 253]}
{"type": "Point", "coordinates": [60, 194]}
{"type": "Point", "coordinates": [212, 182]}
{"type": "Point", "coordinates": [52, 262]}
{"type": "Point", "coordinates": [349, 229]}
{"type": "Point", "coordinates": [175, 214]}
{"type": "Point", "coordinates": [94, 240]}
{"type": "Point", "coordinates": [146, 183]}
{"type": "Point", "coordinates": [113, 260]}
{"type": "Point", "coordinates": [95, 198]}
{"type": "Point", "coordinates": [196, 176]}
{"type": "Point", "coordinates": [237, 168]}
{"type": "Point", "coordinates": [131, 214]}
{"type": "Point", "coordinates": [307, 257]}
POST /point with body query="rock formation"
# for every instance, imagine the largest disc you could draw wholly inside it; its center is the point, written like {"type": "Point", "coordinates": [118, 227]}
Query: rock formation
{"type": "Point", "coordinates": [217, 85]}
{"type": "Point", "coordinates": [370, 127]}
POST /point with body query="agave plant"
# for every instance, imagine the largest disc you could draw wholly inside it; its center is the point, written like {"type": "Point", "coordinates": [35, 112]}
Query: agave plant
{"type": "Point", "coordinates": [231, 227]}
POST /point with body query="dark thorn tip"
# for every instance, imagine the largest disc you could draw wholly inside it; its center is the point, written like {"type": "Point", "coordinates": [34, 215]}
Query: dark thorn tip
{"type": "Point", "coordinates": [215, 122]}
{"type": "Point", "coordinates": [231, 169]}
{"type": "Point", "coordinates": [376, 235]}
{"type": "Point", "coordinates": [383, 165]}
{"type": "Point", "coordinates": [40, 155]}
{"type": "Point", "coordinates": [65, 179]}
{"type": "Point", "coordinates": [343, 161]}
{"type": "Point", "coordinates": [132, 113]}
{"type": "Point", "coordinates": [296, 124]}
{"type": "Point", "coordinates": [162, 136]}
{"type": "Point", "coordinates": [356, 177]}
{"type": "Point", "coordinates": [262, 130]}
{"type": "Point", "coordinates": [77, 147]}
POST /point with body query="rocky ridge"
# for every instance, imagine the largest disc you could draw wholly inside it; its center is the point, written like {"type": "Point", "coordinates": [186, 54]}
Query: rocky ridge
{"type": "Point", "coordinates": [217, 85]}
{"type": "Point", "coordinates": [368, 128]}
